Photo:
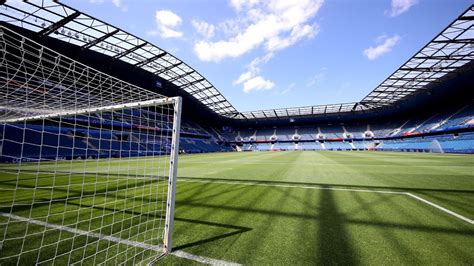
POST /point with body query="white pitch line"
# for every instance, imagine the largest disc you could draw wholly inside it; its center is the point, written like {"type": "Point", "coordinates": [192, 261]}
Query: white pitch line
{"type": "Point", "coordinates": [290, 186]}
{"type": "Point", "coordinates": [83, 232]}
{"type": "Point", "coordinates": [457, 215]}
{"type": "Point", "coordinates": [114, 239]}
{"type": "Point", "coordinates": [200, 259]}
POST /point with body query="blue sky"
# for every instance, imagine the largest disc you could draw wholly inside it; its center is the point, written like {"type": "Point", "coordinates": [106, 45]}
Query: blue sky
{"type": "Point", "coordinates": [263, 54]}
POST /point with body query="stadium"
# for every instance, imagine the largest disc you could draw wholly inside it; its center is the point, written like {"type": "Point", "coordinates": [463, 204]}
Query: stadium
{"type": "Point", "coordinates": [114, 151]}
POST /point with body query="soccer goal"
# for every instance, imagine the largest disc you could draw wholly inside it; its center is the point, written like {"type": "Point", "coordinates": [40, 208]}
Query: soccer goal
{"type": "Point", "coordinates": [87, 162]}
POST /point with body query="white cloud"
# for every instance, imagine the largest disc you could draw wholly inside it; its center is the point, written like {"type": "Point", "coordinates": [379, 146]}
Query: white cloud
{"type": "Point", "coordinates": [238, 5]}
{"type": "Point", "coordinates": [400, 6]}
{"type": "Point", "coordinates": [233, 26]}
{"type": "Point", "coordinates": [204, 28]}
{"type": "Point", "coordinates": [117, 3]}
{"type": "Point", "coordinates": [385, 45]}
{"type": "Point", "coordinates": [290, 88]}
{"type": "Point", "coordinates": [167, 23]}
{"type": "Point", "coordinates": [254, 65]}
{"type": "Point", "coordinates": [258, 83]}
{"type": "Point", "coordinates": [298, 33]}
{"type": "Point", "coordinates": [274, 24]}
{"type": "Point", "coordinates": [243, 77]}
{"type": "Point", "coordinates": [253, 68]}
{"type": "Point", "coordinates": [318, 77]}
{"type": "Point", "coordinates": [251, 80]}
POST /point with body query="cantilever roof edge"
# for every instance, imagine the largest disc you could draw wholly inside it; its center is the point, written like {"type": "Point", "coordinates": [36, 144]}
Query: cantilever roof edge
{"type": "Point", "coordinates": [303, 111]}
{"type": "Point", "coordinates": [59, 21]}
{"type": "Point", "coordinates": [446, 53]}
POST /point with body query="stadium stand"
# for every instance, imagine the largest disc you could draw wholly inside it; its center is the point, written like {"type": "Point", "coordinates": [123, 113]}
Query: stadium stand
{"type": "Point", "coordinates": [84, 143]}
{"type": "Point", "coordinates": [392, 136]}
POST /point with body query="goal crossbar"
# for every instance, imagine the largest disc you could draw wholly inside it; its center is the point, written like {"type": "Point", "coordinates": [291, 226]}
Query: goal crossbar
{"type": "Point", "coordinates": [148, 103]}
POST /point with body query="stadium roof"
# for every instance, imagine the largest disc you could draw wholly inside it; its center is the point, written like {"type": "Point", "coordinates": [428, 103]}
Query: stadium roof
{"type": "Point", "coordinates": [448, 52]}
{"type": "Point", "coordinates": [56, 20]}
{"type": "Point", "coordinates": [303, 111]}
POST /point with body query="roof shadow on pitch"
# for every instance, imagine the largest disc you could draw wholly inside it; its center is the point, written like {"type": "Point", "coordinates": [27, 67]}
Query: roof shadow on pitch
{"type": "Point", "coordinates": [386, 232]}
{"type": "Point", "coordinates": [70, 193]}
{"type": "Point", "coordinates": [236, 230]}
{"type": "Point", "coordinates": [326, 185]}
{"type": "Point", "coordinates": [334, 246]}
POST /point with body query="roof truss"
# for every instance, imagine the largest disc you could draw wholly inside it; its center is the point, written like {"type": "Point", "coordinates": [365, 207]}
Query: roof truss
{"type": "Point", "coordinates": [46, 17]}
{"type": "Point", "coordinates": [447, 53]}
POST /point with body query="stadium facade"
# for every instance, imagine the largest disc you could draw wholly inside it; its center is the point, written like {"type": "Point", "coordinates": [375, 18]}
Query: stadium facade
{"type": "Point", "coordinates": [426, 105]}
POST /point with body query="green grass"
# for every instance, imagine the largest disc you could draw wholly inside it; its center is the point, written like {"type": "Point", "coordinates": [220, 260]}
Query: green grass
{"type": "Point", "coordinates": [249, 208]}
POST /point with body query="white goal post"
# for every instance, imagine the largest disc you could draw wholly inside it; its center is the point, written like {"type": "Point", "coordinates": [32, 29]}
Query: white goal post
{"type": "Point", "coordinates": [88, 162]}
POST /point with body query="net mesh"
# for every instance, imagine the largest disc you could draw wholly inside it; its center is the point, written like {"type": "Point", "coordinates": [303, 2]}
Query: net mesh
{"type": "Point", "coordinates": [84, 161]}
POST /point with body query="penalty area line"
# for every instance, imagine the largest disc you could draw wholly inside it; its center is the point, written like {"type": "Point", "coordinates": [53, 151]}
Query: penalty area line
{"type": "Point", "coordinates": [204, 260]}
{"type": "Point", "coordinates": [457, 215]}
{"type": "Point", "coordinates": [118, 240]}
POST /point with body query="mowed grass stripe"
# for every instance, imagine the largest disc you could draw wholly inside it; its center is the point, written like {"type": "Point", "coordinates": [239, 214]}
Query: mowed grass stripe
{"type": "Point", "coordinates": [337, 173]}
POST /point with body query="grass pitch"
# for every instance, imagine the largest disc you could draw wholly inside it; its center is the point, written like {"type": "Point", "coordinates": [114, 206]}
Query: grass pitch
{"type": "Point", "coordinates": [258, 208]}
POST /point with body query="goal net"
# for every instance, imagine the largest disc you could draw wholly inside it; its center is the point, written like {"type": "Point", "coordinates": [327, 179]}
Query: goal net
{"type": "Point", "coordinates": [87, 162]}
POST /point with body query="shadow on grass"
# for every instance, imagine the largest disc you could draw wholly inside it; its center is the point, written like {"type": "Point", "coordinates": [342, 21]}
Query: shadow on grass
{"type": "Point", "coordinates": [388, 235]}
{"type": "Point", "coordinates": [325, 185]}
{"type": "Point", "coordinates": [335, 246]}
{"type": "Point", "coordinates": [235, 229]}
{"type": "Point", "coordinates": [45, 174]}
{"type": "Point", "coordinates": [107, 190]}
{"type": "Point", "coordinates": [111, 190]}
